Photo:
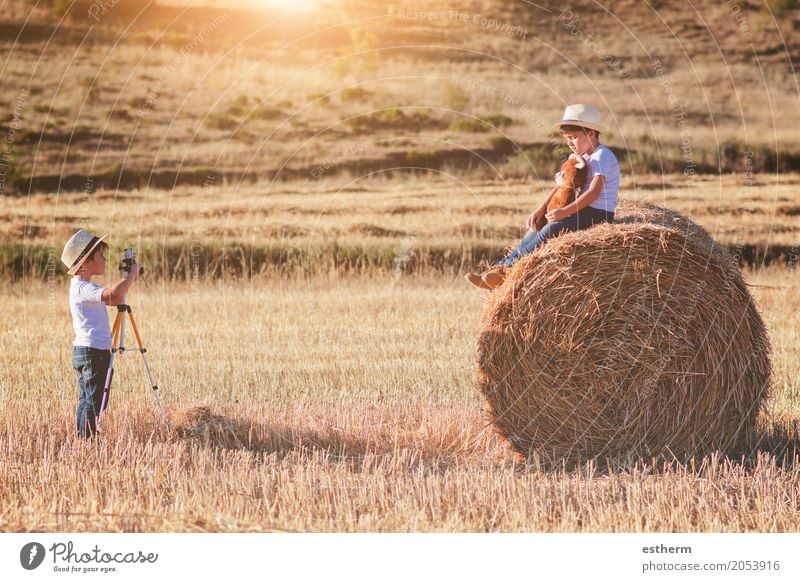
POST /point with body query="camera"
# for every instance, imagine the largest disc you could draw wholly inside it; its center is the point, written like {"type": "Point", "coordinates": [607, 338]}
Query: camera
{"type": "Point", "coordinates": [128, 260]}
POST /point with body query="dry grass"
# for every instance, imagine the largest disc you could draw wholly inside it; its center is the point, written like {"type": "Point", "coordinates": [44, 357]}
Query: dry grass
{"type": "Point", "coordinates": [336, 405]}
{"type": "Point", "coordinates": [402, 214]}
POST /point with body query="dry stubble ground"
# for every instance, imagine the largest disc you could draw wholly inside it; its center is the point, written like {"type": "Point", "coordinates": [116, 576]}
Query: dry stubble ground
{"type": "Point", "coordinates": [336, 405]}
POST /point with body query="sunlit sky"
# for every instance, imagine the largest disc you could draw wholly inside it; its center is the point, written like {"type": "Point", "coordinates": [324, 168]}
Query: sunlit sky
{"type": "Point", "coordinates": [286, 5]}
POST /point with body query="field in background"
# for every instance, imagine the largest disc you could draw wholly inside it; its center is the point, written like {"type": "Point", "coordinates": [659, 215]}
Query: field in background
{"type": "Point", "coordinates": [340, 405]}
{"type": "Point", "coordinates": [361, 137]}
{"type": "Point", "coordinates": [428, 224]}
{"type": "Point", "coordinates": [172, 94]}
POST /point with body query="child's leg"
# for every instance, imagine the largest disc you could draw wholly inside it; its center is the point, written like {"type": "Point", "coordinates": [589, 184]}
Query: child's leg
{"type": "Point", "coordinates": [512, 256]}
{"type": "Point", "coordinates": [91, 366]}
{"type": "Point", "coordinates": [583, 219]}
{"type": "Point", "coordinates": [520, 250]}
{"type": "Point", "coordinates": [536, 237]}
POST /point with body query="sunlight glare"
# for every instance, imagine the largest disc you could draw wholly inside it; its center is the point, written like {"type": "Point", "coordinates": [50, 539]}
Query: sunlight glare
{"type": "Point", "coordinates": [287, 5]}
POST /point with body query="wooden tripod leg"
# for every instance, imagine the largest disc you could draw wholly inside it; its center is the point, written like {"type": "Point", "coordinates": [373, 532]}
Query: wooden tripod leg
{"type": "Point", "coordinates": [142, 351]}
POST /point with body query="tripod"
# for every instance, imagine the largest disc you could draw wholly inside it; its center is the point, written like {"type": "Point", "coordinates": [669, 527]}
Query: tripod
{"type": "Point", "coordinates": [118, 345]}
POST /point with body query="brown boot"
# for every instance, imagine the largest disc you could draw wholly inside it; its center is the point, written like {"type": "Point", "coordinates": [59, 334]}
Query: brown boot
{"type": "Point", "coordinates": [477, 281]}
{"type": "Point", "coordinates": [495, 276]}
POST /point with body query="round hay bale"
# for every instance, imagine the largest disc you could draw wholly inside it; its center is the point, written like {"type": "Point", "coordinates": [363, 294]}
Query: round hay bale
{"type": "Point", "coordinates": [637, 212]}
{"type": "Point", "coordinates": [624, 341]}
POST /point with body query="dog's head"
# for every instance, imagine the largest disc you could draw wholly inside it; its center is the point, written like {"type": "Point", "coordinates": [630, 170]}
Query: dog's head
{"type": "Point", "coordinates": [574, 172]}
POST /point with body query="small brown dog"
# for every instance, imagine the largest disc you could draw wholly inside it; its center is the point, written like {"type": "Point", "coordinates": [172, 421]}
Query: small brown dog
{"type": "Point", "coordinates": [570, 180]}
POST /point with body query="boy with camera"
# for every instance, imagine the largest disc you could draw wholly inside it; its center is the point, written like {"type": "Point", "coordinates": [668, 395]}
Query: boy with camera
{"type": "Point", "coordinates": [84, 256]}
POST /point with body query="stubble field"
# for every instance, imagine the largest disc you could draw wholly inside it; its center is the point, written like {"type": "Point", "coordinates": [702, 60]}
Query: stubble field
{"type": "Point", "coordinates": [306, 191]}
{"type": "Point", "coordinates": [435, 223]}
{"type": "Point", "coordinates": [339, 404]}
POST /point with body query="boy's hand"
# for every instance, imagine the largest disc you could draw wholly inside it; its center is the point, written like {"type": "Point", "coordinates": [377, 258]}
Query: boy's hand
{"type": "Point", "coordinates": [115, 294]}
{"type": "Point", "coordinates": [134, 272]}
{"type": "Point", "coordinates": [537, 218]}
{"type": "Point", "coordinates": [557, 214]}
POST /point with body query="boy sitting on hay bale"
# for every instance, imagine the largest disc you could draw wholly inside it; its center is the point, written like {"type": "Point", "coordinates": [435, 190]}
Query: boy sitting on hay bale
{"type": "Point", "coordinates": [595, 203]}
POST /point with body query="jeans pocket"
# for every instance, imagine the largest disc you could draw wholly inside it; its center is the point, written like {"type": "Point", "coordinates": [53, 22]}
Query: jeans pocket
{"type": "Point", "coordinates": [80, 357]}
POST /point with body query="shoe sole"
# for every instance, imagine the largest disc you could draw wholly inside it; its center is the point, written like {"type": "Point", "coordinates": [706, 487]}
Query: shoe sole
{"type": "Point", "coordinates": [493, 281]}
{"type": "Point", "coordinates": [475, 280]}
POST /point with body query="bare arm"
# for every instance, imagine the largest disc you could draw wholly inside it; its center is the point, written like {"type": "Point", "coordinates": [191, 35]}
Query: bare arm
{"type": "Point", "coordinates": [593, 193]}
{"type": "Point", "coordinates": [542, 209]}
{"type": "Point", "coordinates": [115, 294]}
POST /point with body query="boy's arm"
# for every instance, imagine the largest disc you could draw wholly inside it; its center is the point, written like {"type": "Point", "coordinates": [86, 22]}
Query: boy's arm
{"type": "Point", "coordinates": [115, 294]}
{"type": "Point", "coordinates": [593, 193]}
{"type": "Point", "coordinates": [542, 209]}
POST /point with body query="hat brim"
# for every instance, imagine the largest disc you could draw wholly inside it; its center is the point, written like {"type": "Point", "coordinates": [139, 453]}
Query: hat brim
{"type": "Point", "coordinates": [74, 269]}
{"type": "Point", "coordinates": [579, 123]}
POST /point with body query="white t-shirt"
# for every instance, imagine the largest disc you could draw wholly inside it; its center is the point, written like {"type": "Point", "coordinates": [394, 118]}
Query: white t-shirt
{"type": "Point", "coordinates": [89, 315]}
{"type": "Point", "coordinates": [603, 162]}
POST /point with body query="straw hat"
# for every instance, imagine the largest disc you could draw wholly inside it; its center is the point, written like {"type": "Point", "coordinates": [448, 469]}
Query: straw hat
{"type": "Point", "coordinates": [582, 116]}
{"type": "Point", "coordinates": [78, 248]}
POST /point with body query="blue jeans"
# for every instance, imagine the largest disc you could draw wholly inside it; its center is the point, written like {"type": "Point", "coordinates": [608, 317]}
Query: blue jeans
{"type": "Point", "coordinates": [91, 365]}
{"type": "Point", "coordinates": [582, 219]}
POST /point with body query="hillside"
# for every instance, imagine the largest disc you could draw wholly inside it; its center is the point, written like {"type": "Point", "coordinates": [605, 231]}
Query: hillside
{"type": "Point", "coordinates": [127, 94]}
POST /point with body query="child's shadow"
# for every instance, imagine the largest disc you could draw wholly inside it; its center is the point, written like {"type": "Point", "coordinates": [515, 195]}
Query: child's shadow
{"type": "Point", "coordinates": [217, 431]}
{"type": "Point", "coordinates": [200, 425]}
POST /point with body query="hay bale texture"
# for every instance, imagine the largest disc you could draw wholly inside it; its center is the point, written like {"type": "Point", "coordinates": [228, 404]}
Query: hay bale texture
{"type": "Point", "coordinates": [632, 340]}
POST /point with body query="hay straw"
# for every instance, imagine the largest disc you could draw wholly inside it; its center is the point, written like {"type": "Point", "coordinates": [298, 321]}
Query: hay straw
{"type": "Point", "coordinates": [625, 341]}
{"type": "Point", "coordinates": [637, 212]}
{"type": "Point", "coordinates": [200, 423]}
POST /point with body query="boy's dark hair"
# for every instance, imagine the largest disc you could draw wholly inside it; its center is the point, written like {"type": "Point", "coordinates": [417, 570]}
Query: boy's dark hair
{"type": "Point", "coordinates": [101, 246]}
{"type": "Point", "coordinates": [577, 128]}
